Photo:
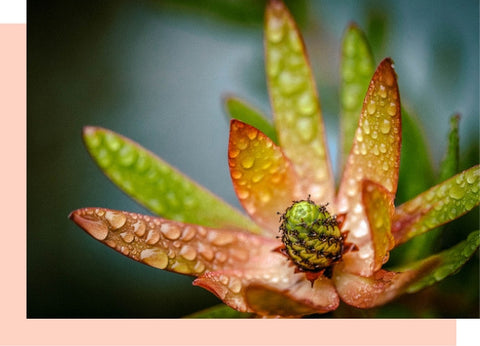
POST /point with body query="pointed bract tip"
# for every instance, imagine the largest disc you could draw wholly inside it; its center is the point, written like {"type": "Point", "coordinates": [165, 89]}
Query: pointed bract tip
{"type": "Point", "coordinates": [92, 224]}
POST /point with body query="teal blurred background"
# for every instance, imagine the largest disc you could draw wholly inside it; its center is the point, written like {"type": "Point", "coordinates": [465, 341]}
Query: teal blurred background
{"type": "Point", "coordinates": [155, 71]}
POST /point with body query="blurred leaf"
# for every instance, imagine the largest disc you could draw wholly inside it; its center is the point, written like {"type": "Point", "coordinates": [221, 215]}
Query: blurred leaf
{"type": "Point", "coordinates": [450, 163]}
{"type": "Point", "coordinates": [294, 100]}
{"type": "Point", "coordinates": [377, 23]}
{"type": "Point", "coordinates": [158, 186]}
{"type": "Point", "coordinates": [240, 110]}
{"type": "Point", "coordinates": [443, 264]}
{"type": "Point", "coordinates": [416, 169]}
{"type": "Point", "coordinates": [418, 175]}
{"type": "Point", "coordinates": [357, 69]}
{"type": "Point", "coordinates": [243, 12]}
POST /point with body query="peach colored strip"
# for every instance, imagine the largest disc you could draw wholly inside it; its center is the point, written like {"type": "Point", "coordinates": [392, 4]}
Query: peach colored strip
{"type": "Point", "coordinates": [16, 329]}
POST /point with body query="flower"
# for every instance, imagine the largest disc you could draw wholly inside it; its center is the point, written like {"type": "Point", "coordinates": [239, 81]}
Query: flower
{"type": "Point", "coordinates": [248, 263]}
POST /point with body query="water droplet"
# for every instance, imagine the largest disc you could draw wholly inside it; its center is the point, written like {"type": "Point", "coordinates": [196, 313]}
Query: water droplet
{"type": "Point", "coordinates": [127, 237]}
{"type": "Point", "coordinates": [257, 177]}
{"type": "Point", "coordinates": [264, 197]}
{"type": "Point", "coordinates": [103, 157]}
{"type": "Point", "coordinates": [180, 267]}
{"type": "Point", "coordinates": [469, 203]}
{"type": "Point", "coordinates": [199, 267]}
{"type": "Point", "coordinates": [438, 206]}
{"type": "Point", "coordinates": [242, 193]}
{"type": "Point", "coordinates": [206, 251]}
{"type": "Point", "coordinates": [371, 107]}
{"type": "Point", "coordinates": [289, 82]}
{"type": "Point", "coordinates": [252, 133]}
{"type": "Point", "coordinates": [306, 129]}
{"type": "Point", "coordinates": [363, 149]}
{"type": "Point", "coordinates": [188, 252]}
{"type": "Point", "coordinates": [125, 250]}
{"type": "Point", "coordinates": [392, 109]}
{"type": "Point", "coordinates": [385, 166]}
{"type": "Point", "coordinates": [248, 162]}
{"type": "Point", "coordinates": [202, 231]}
{"type": "Point", "coordinates": [383, 148]}
{"type": "Point", "coordinates": [95, 227]}
{"type": "Point", "coordinates": [306, 104]}
{"type": "Point", "coordinates": [374, 134]}
{"type": "Point", "coordinates": [233, 153]}
{"type": "Point", "coordinates": [274, 60]}
{"type": "Point", "coordinates": [127, 156]}
{"type": "Point", "coordinates": [170, 231]}
{"type": "Point", "coordinates": [456, 192]}
{"type": "Point", "coordinates": [115, 219]}
{"type": "Point", "coordinates": [112, 141]}
{"type": "Point", "coordinates": [472, 175]}
{"type": "Point", "coordinates": [295, 41]}
{"type": "Point", "coordinates": [188, 233]}
{"type": "Point", "coordinates": [275, 29]}
{"type": "Point", "coordinates": [155, 258]}
{"type": "Point", "coordinates": [242, 143]}
{"type": "Point", "coordinates": [221, 238]}
{"type": "Point", "coordinates": [139, 228]}
{"type": "Point", "coordinates": [453, 213]}
{"type": "Point", "coordinates": [375, 150]}
{"type": "Point", "coordinates": [236, 174]}
{"type": "Point", "coordinates": [359, 135]}
{"type": "Point", "coordinates": [366, 126]}
{"type": "Point", "coordinates": [382, 91]}
{"type": "Point", "coordinates": [152, 237]}
{"type": "Point", "coordinates": [385, 126]}
{"type": "Point", "coordinates": [220, 256]}
{"type": "Point", "coordinates": [235, 285]}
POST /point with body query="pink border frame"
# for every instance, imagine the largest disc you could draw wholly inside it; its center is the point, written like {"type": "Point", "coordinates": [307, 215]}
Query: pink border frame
{"type": "Point", "coordinates": [17, 329]}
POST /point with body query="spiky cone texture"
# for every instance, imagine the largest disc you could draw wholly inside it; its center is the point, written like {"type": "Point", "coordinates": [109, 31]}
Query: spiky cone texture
{"type": "Point", "coordinates": [235, 257]}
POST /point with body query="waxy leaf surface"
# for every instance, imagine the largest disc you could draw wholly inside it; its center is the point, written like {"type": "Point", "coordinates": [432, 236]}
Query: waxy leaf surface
{"type": "Point", "coordinates": [438, 205]}
{"type": "Point", "coordinates": [375, 156]}
{"type": "Point", "coordinates": [272, 289]}
{"type": "Point", "coordinates": [172, 245]}
{"type": "Point", "coordinates": [158, 186]}
{"type": "Point", "coordinates": [295, 104]}
{"type": "Point", "coordinates": [263, 178]}
{"type": "Point", "coordinates": [383, 286]}
{"type": "Point", "coordinates": [379, 210]}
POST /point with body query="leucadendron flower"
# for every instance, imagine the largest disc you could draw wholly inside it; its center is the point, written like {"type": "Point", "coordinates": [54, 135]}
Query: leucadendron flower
{"type": "Point", "coordinates": [304, 246]}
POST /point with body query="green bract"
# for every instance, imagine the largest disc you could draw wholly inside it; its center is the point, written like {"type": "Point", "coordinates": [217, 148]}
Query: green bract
{"type": "Point", "coordinates": [311, 236]}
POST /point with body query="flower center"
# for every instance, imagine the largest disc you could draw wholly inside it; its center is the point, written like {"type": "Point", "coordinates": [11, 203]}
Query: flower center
{"type": "Point", "coordinates": [311, 236]}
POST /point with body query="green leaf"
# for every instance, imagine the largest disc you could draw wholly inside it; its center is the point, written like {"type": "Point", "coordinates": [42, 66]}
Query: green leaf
{"type": "Point", "coordinates": [438, 205]}
{"type": "Point", "coordinates": [357, 68]}
{"type": "Point", "coordinates": [219, 311]}
{"type": "Point", "coordinates": [437, 267]}
{"type": "Point", "coordinates": [158, 186]}
{"type": "Point", "coordinates": [240, 110]}
{"type": "Point", "coordinates": [416, 169]}
{"type": "Point", "coordinates": [450, 163]}
{"type": "Point", "coordinates": [416, 175]}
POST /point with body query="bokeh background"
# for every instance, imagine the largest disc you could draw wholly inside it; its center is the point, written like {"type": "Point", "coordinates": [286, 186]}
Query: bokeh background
{"type": "Point", "coordinates": [156, 71]}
